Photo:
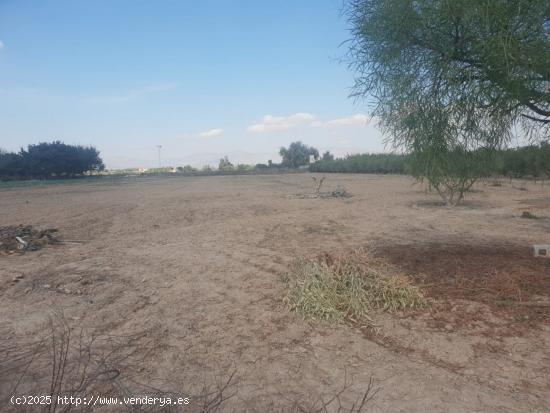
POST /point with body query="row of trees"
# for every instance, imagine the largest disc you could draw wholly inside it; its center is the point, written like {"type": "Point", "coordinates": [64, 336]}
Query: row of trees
{"type": "Point", "coordinates": [364, 163]}
{"type": "Point", "coordinates": [445, 168]}
{"type": "Point", "coordinates": [57, 159]}
{"type": "Point", "coordinates": [527, 161]}
{"type": "Point", "coordinates": [46, 160]}
{"type": "Point", "coordinates": [531, 161]}
{"type": "Point", "coordinates": [295, 156]}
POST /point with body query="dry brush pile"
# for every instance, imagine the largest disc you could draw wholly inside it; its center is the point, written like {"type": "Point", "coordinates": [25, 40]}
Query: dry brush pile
{"type": "Point", "coordinates": [21, 238]}
{"type": "Point", "coordinates": [350, 287]}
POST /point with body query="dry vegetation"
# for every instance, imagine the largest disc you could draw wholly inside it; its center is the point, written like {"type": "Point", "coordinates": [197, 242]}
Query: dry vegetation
{"type": "Point", "coordinates": [22, 238]}
{"type": "Point", "coordinates": [67, 361]}
{"type": "Point", "coordinates": [349, 287]}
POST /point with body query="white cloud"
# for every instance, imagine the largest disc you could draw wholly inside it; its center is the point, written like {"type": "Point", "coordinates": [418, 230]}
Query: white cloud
{"type": "Point", "coordinates": [271, 123]}
{"type": "Point", "coordinates": [353, 120]}
{"type": "Point", "coordinates": [211, 133]}
{"type": "Point", "coordinates": [1, 44]}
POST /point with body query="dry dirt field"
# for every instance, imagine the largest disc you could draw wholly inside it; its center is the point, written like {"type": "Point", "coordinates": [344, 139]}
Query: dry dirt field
{"type": "Point", "coordinates": [197, 264]}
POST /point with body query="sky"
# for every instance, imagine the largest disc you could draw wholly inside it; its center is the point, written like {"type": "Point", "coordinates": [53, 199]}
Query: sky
{"type": "Point", "coordinates": [203, 79]}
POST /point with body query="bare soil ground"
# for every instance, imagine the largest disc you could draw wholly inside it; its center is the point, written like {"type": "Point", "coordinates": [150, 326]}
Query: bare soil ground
{"type": "Point", "coordinates": [199, 262]}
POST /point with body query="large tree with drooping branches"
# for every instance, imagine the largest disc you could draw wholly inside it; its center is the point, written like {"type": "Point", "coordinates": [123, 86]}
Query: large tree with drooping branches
{"type": "Point", "coordinates": [447, 77]}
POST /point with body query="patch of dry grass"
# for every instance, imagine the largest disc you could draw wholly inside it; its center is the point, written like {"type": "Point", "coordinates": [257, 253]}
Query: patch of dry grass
{"type": "Point", "coordinates": [350, 287]}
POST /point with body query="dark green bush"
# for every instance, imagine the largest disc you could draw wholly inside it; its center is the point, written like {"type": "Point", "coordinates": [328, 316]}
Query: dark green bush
{"type": "Point", "coordinates": [55, 159]}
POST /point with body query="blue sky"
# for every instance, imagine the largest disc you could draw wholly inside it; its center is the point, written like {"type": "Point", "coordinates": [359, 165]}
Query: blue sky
{"type": "Point", "coordinates": [200, 78]}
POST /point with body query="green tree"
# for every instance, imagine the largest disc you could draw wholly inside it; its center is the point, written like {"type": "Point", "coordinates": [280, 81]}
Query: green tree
{"type": "Point", "coordinates": [59, 159]}
{"type": "Point", "coordinates": [10, 164]}
{"type": "Point", "coordinates": [327, 156]}
{"type": "Point", "coordinates": [297, 154]}
{"type": "Point", "coordinates": [53, 159]}
{"type": "Point", "coordinates": [451, 77]}
{"type": "Point", "coordinates": [488, 59]}
{"type": "Point", "coordinates": [225, 165]}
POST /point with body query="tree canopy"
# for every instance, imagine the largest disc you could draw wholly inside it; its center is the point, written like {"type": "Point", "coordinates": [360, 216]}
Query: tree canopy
{"type": "Point", "coordinates": [327, 156]}
{"type": "Point", "coordinates": [480, 65]}
{"type": "Point", "coordinates": [225, 164]}
{"type": "Point", "coordinates": [297, 154]}
{"type": "Point", "coordinates": [53, 159]}
{"type": "Point", "coordinates": [447, 77]}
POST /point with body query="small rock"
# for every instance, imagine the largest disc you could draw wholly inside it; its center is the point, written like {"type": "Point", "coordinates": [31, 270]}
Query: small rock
{"type": "Point", "coordinates": [46, 286]}
{"type": "Point", "coordinates": [27, 290]}
{"type": "Point", "coordinates": [17, 278]}
{"type": "Point", "coordinates": [448, 327]}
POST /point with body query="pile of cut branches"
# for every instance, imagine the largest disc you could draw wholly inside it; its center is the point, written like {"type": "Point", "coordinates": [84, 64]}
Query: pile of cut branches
{"type": "Point", "coordinates": [21, 238]}
{"type": "Point", "coordinates": [350, 287]}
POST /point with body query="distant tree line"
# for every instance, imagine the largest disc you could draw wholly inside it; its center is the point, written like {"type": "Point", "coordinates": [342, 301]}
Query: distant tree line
{"type": "Point", "coordinates": [526, 161]}
{"type": "Point", "coordinates": [531, 161]}
{"type": "Point", "coordinates": [364, 163]}
{"type": "Point", "coordinates": [48, 160]}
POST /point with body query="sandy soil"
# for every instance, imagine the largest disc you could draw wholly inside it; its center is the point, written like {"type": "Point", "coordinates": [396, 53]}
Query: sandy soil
{"type": "Point", "coordinates": [200, 261]}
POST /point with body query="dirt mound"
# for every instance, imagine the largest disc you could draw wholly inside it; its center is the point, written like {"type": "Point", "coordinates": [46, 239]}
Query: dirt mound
{"type": "Point", "coordinates": [18, 239]}
{"type": "Point", "coordinates": [506, 277]}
